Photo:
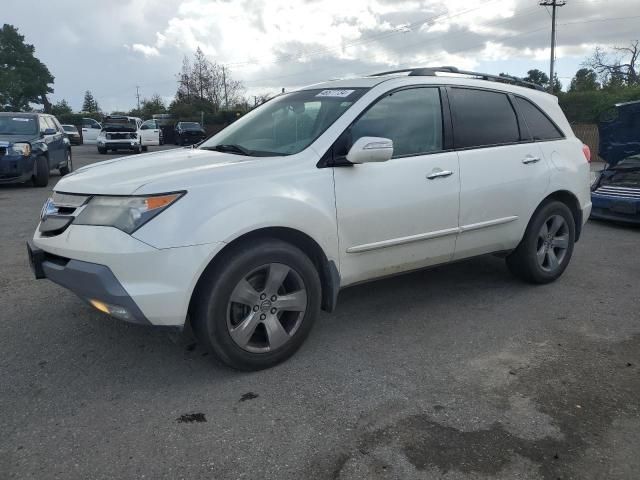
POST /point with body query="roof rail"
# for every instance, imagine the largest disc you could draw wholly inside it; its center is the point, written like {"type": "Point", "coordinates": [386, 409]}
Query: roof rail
{"type": "Point", "coordinates": [431, 72]}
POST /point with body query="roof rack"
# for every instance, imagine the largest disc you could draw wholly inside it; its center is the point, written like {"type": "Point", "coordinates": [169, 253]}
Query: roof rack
{"type": "Point", "coordinates": [431, 72]}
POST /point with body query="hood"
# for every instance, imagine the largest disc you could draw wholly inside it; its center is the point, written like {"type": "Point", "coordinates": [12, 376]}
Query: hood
{"type": "Point", "coordinates": [620, 134]}
{"type": "Point", "coordinates": [126, 175]}
{"type": "Point", "coordinates": [7, 139]}
{"type": "Point", "coordinates": [115, 127]}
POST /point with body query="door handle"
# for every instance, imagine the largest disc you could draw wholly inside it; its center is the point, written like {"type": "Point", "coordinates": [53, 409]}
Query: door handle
{"type": "Point", "coordinates": [530, 159]}
{"type": "Point", "coordinates": [439, 174]}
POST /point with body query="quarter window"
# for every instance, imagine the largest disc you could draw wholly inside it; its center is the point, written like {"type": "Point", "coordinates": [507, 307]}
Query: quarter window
{"type": "Point", "coordinates": [482, 118]}
{"type": "Point", "coordinates": [411, 118]}
{"type": "Point", "coordinates": [538, 124]}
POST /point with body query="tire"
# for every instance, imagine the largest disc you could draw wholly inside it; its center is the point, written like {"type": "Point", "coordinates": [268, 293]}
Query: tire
{"type": "Point", "coordinates": [41, 177]}
{"type": "Point", "coordinates": [546, 248]}
{"type": "Point", "coordinates": [137, 150]}
{"type": "Point", "coordinates": [68, 168]}
{"type": "Point", "coordinates": [102, 151]}
{"type": "Point", "coordinates": [145, 148]}
{"type": "Point", "coordinates": [215, 318]}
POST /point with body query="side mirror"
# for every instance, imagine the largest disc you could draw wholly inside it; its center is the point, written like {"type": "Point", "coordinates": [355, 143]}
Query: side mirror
{"type": "Point", "coordinates": [370, 149]}
{"type": "Point", "coordinates": [49, 131]}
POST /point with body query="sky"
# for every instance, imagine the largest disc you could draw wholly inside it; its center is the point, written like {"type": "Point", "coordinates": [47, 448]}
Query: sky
{"type": "Point", "coordinates": [112, 46]}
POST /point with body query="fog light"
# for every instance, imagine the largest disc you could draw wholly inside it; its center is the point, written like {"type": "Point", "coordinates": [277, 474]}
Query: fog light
{"type": "Point", "coordinates": [114, 310]}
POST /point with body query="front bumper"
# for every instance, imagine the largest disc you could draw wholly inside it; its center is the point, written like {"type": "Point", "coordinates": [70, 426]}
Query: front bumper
{"type": "Point", "coordinates": [15, 168]}
{"type": "Point", "coordinates": [90, 281]}
{"type": "Point", "coordinates": [618, 209]}
{"type": "Point", "coordinates": [159, 282]}
{"type": "Point", "coordinates": [121, 144]}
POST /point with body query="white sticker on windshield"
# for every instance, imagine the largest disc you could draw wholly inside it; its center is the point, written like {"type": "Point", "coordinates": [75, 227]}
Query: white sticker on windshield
{"type": "Point", "coordinates": [21, 119]}
{"type": "Point", "coordinates": [335, 93]}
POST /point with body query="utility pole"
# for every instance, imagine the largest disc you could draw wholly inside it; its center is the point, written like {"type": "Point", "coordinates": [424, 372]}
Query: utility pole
{"type": "Point", "coordinates": [224, 83]}
{"type": "Point", "coordinates": [138, 97]}
{"type": "Point", "coordinates": [553, 4]}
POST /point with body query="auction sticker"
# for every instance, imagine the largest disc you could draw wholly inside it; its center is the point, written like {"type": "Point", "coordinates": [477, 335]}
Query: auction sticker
{"type": "Point", "coordinates": [335, 93]}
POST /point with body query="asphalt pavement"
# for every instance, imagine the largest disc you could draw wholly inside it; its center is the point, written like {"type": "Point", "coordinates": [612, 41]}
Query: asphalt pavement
{"type": "Point", "coordinates": [458, 372]}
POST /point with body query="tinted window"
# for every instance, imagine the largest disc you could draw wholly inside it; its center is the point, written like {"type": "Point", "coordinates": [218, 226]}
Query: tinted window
{"type": "Point", "coordinates": [482, 118]}
{"type": "Point", "coordinates": [18, 125]}
{"type": "Point", "coordinates": [538, 124]}
{"type": "Point", "coordinates": [411, 118]}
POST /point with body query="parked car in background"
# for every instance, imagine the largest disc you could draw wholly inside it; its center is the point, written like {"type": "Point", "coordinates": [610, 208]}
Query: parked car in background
{"type": "Point", "coordinates": [151, 133]}
{"type": "Point", "coordinates": [90, 130]}
{"type": "Point", "coordinates": [31, 145]}
{"type": "Point", "coordinates": [120, 132]}
{"type": "Point", "coordinates": [616, 189]}
{"type": "Point", "coordinates": [249, 235]}
{"type": "Point", "coordinates": [188, 133]}
{"type": "Point", "coordinates": [72, 134]}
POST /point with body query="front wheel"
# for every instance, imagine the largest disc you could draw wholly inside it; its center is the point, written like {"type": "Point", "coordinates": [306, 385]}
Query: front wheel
{"type": "Point", "coordinates": [545, 251]}
{"type": "Point", "coordinates": [256, 307]}
{"type": "Point", "coordinates": [68, 167]}
{"type": "Point", "coordinates": [41, 175]}
{"type": "Point", "coordinates": [102, 151]}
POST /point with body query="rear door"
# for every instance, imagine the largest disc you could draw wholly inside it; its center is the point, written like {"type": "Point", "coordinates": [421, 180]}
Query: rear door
{"type": "Point", "coordinates": [150, 133]}
{"type": "Point", "coordinates": [503, 173]}
{"type": "Point", "coordinates": [400, 214]}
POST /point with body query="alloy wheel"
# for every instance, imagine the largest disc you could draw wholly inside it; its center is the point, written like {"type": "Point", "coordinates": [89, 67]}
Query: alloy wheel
{"type": "Point", "coordinates": [552, 243]}
{"type": "Point", "coordinates": [266, 308]}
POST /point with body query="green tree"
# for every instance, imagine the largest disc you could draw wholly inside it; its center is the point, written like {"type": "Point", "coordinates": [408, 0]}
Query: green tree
{"type": "Point", "coordinates": [90, 104]}
{"type": "Point", "coordinates": [538, 77]}
{"type": "Point", "coordinates": [151, 106]}
{"type": "Point", "coordinates": [23, 78]}
{"type": "Point", "coordinates": [585, 80]}
{"type": "Point", "coordinates": [61, 108]}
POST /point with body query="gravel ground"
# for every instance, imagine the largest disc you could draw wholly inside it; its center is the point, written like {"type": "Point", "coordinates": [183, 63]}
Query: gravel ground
{"type": "Point", "coordinates": [457, 372]}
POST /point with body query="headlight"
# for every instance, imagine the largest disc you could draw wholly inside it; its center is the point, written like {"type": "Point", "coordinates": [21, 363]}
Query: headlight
{"type": "Point", "coordinates": [125, 213]}
{"type": "Point", "coordinates": [23, 149]}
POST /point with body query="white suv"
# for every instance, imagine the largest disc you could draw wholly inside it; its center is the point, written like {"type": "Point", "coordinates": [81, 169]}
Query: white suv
{"type": "Point", "coordinates": [249, 235]}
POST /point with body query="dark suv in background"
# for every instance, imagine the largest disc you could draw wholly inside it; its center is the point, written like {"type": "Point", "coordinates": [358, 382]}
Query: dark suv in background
{"type": "Point", "coordinates": [188, 132]}
{"type": "Point", "coordinates": [31, 145]}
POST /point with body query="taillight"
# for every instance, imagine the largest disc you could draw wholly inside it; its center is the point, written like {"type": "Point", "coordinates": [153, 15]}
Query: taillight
{"type": "Point", "coordinates": [587, 152]}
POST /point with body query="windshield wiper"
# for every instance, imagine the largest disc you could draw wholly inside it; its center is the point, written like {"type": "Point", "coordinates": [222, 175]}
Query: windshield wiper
{"type": "Point", "coordinates": [230, 148]}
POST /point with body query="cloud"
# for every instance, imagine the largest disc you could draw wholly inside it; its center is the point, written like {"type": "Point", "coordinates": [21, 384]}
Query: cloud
{"type": "Point", "coordinates": [146, 50]}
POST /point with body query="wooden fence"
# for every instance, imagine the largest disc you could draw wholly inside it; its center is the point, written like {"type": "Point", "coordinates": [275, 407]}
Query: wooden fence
{"type": "Point", "coordinates": [588, 133]}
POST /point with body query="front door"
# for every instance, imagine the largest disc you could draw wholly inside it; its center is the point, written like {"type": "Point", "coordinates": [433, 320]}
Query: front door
{"type": "Point", "coordinates": [401, 214]}
{"type": "Point", "coordinates": [150, 133]}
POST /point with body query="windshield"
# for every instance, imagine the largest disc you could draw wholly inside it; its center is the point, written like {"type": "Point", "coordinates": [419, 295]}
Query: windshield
{"type": "Point", "coordinates": [18, 125]}
{"type": "Point", "coordinates": [70, 128]}
{"type": "Point", "coordinates": [189, 125]}
{"type": "Point", "coordinates": [286, 124]}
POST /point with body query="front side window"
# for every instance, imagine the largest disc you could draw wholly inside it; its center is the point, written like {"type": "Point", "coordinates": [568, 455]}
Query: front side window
{"type": "Point", "coordinates": [411, 118]}
{"type": "Point", "coordinates": [286, 124]}
{"type": "Point", "coordinates": [482, 118]}
{"type": "Point", "coordinates": [538, 124]}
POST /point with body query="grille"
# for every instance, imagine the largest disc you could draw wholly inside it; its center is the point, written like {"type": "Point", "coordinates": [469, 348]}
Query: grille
{"type": "Point", "coordinates": [117, 136]}
{"type": "Point", "coordinates": [620, 192]}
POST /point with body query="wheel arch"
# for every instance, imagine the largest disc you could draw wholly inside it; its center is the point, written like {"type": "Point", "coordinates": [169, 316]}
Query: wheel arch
{"type": "Point", "coordinates": [571, 201]}
{"type": "Point", "coordinates": [327, 269]}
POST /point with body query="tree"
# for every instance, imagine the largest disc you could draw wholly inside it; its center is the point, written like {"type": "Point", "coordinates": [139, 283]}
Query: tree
{"type": "Point", "coordinates": [585, 80]}
{"type": "Point", "coordinates": [23, 78]}
{"type": "Point", "coordinates": [207, 84]}
{"type": "Point", "coordinates": [151, 106]}
{"type": "Point", "coordinates": [620, 63]}
{"type": "Point", "coordinates": [61, 108]}
{"type": "Point", "coordinates": [90, 104]}
{"type": "Point", "coordinates": [538, 77]}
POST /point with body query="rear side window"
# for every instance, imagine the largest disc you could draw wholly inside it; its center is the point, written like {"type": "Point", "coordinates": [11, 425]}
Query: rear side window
{"type": "Point", "coordinates": [482, 118]}
{"type": "Point", "coordinates": [411, 118]}
{"type": "Point", "coordinates": [538, 124]}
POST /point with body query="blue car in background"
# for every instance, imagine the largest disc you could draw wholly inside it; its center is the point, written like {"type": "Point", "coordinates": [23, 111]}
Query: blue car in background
{"type": "Point", "coordinates": [615, 193]}
{"type": "Point", "coordinates": [31, 145]}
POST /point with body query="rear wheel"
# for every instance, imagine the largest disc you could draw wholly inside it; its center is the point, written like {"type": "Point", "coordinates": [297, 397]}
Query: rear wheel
{"type": "Point", "coordinates": [68, 167]}
{"type": "Point", "coordinates": [255, 308]}
{"type": "Point", "coordinates": [545, 251]}
{"type": "Point", "coordinates": [41, 175]}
